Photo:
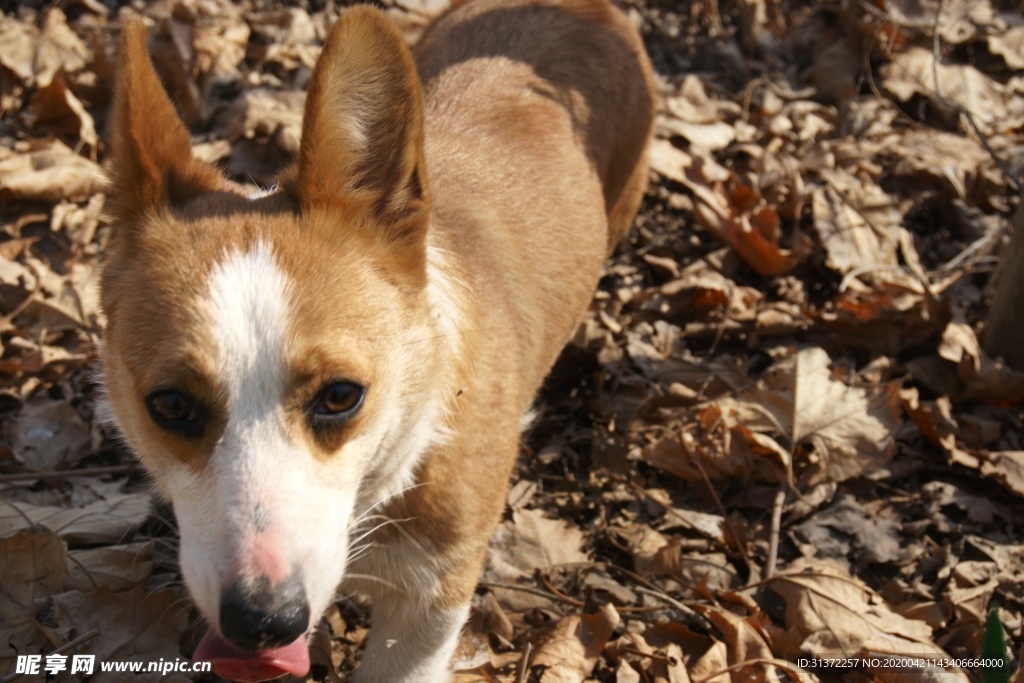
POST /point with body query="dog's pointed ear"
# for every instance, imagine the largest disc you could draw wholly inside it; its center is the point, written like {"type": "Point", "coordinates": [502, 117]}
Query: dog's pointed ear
{"type": "Point", "coordinates": [152, 163]}
{"type": "Point", "coordinates": [362, 131]}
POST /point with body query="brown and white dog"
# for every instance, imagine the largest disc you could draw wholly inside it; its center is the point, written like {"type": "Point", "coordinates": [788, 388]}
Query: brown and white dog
{"type": "Point", "coordinates": [327, 381]}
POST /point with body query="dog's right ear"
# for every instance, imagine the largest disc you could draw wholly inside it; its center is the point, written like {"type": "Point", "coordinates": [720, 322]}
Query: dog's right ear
{"type": "Point", "coordinates": [152, 163]}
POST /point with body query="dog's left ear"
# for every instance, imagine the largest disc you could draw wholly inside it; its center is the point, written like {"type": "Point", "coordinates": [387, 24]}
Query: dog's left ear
{"type": "Point", "coordinates": [152, 163]}
{"type": "Point", "coordinates": [362, 132]}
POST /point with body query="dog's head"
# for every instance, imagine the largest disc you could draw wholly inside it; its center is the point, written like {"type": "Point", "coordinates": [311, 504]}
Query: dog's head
{"type": "Point", "coordinates": [273, 360]}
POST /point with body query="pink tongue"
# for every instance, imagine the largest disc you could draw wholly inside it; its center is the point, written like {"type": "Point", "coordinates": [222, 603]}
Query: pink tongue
{"type": "Point", "coordinates": [250, 667]}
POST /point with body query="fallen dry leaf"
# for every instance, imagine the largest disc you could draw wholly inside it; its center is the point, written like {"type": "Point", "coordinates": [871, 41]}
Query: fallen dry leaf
{"type": "Point", "coordinates": [568, 655]}
{"type": "Point", "coordinates": [1009, 46]}
{"type": "Point", "coordinates": [856, 222]}
{"type": "Point", "coordinates": [829, 612]}
{"type": "Point", "coordinates": [137, 625]}
{"type": "Point", "coordinates": [533, 541]}
{"type": "Point", "coordinates": [118, 567]}
{"type": "Point", "coordinates": [984, 377]}
{"type": "Point", "coordinates": [913, 72]}
{"type": "Point", "coordinates": [49, 171]}
{"type": "Point", "coordinates": [849, 429]}
{"type": "Point", "coordinates": [1007, 467]}
{"type": "Point", "coordinates": [33, 565]}
{"type": "Point", "coordinates": [48, 435]}
{"type": "Point", "coordinates": [106, 521]}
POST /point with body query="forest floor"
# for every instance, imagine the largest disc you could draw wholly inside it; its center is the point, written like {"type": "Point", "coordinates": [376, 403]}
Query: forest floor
{"type": "Point", "coordinates": [776, 436]}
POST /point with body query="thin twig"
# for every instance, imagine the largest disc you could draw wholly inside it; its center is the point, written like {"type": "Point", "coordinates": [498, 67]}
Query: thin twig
{"type": "Point", "coordinates": [522, 589]}
{"type": "Point", "coordinates": [20, 308]}
{"type": "Point", "coordinates": [66, 474]}
{"type": "Point", "coordinates": [1011, 177]}
{"type": "Point", "coordinates": [553, 593]}
{"type": "Point", "coordinates": [84, 638]}
{"type": "Point", "coordinates": [524, 664]}
{"type": "Point", "coordinates": [773, 539]}
{"type": "Point", "coordinates": [666, 507]}
{"type": "Point", "coordinates": [559, 594]}
{"type": "Point", "coordinates": [725, 515]}
{"type": "Point", "coordinates": [692, 617]}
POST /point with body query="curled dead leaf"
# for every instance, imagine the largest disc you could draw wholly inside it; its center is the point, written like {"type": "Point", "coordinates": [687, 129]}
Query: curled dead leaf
{"type": "Point", "coordinates": [569, 654]}
{"type": "Point", "coordinates": [49, 171]}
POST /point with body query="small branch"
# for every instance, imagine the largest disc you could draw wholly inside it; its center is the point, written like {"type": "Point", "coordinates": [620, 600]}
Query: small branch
{"type": "Point", "coordinates": [725, 515]}
{"type": "Point", "coordinates": [557, 593]}
{"type": "Point", "coordinates": [20, 308]}
{"type": "Point", "coordinates": [690, 616]}
{"type": "Point", "coordinates": [773, 539]}
{"type": "Point", "coordinates": [66, 474]}
{"type": "Point", "coordinates": [522, 589]}
{"type": "Point", "coordinates": [524, 664]}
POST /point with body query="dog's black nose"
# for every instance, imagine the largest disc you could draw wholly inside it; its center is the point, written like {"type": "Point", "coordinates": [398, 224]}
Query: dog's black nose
{"type": "Point", "coordinates": [256, 616]}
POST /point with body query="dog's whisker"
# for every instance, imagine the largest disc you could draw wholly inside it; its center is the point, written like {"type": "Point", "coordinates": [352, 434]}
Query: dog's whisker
{"type": "Point", "coordinates": [408, 536]}
{"type": "Point", "coordinates": [389, 498]}
{"type": "Point", "coordinates": [387, 522]}
{"type": "Point", "coordinates": [373, 579]}
{"type": "Point", "coordinates": [362, 552]}
{"type": "Point", "coordinates": [166, 584]}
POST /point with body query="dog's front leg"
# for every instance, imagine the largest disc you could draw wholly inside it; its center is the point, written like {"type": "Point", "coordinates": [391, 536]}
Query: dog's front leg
{"type": "Point", "coordinates": [410, 642]}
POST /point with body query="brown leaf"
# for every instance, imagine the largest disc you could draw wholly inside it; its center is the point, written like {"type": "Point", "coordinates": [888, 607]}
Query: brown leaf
{"type": "Point", "coordinates": [1006, 467]}
{"type": "Point", "coordinates": [734, 213]}
{"type": "Point", "coordinates": [57, 108]}
{"type": "Point", "coordinates": [267, 114]}
{"type": "Point", "coordinates": [984, 377]}
{"type": "Point", "coordinates": [18, 43]}
{"type": "Point", "coordinates": [1009, 46]}
{"type": "Point", "coordinates": [936, 422]}
{"type": "Point", "coordinates": [925, 153]}
{"type": "Point", "coordinates": [106, 521]}
{"type": "Point", "coordinates": [856, 222]}
{"type": "Point", "coordinates": [48, 434]}
{"type": "Point", "coordinates": [118, 567]}
{"type": "Point", "coordinates": [745, 644]}
{"type": "Point", "coordinates": [137, 625]}
{"type": "Point", "coordinates": [830, 612]}
{"type": "Point", "coordinates": [36, 56]}
{"type": "Point", "coordinates": [886, 315]}
{"type": "Point", "coordinates": [50, 171]}
{"type": "Point", "coordinates": [570, 653]}
{"type": "Point", "coordinates": [532, 541]}
{"type": "Point", "coordinates": [33, 565]}
{"type": "Point", "coordinates": [912, 72]}
{"type": "Point", "coordinates": [852, 428]}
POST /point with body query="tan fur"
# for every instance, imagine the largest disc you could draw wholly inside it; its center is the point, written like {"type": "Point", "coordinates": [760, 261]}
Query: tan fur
{"type": "Point", "coordinates": [442, 244]}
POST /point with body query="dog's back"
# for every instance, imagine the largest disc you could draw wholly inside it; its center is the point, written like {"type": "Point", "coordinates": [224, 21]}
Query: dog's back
{"type": "Point", "coordinates": [538, 116]}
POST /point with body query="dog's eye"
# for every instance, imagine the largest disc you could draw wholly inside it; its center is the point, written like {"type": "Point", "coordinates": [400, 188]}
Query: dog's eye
{"type": "Point", "coordinates": [174, 411]}
{"type": "Point", "coordinates": [339, 400]}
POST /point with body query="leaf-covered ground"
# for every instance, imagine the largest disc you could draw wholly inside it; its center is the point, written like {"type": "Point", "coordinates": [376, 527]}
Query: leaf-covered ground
{"type": "Point", "coordinates": [776, 434]}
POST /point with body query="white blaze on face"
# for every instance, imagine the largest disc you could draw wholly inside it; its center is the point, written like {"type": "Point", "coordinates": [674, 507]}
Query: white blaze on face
{"type": "Point", "coordinates": [248, 306]}
{"type": "Point", "coordinates": [264, 505]}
